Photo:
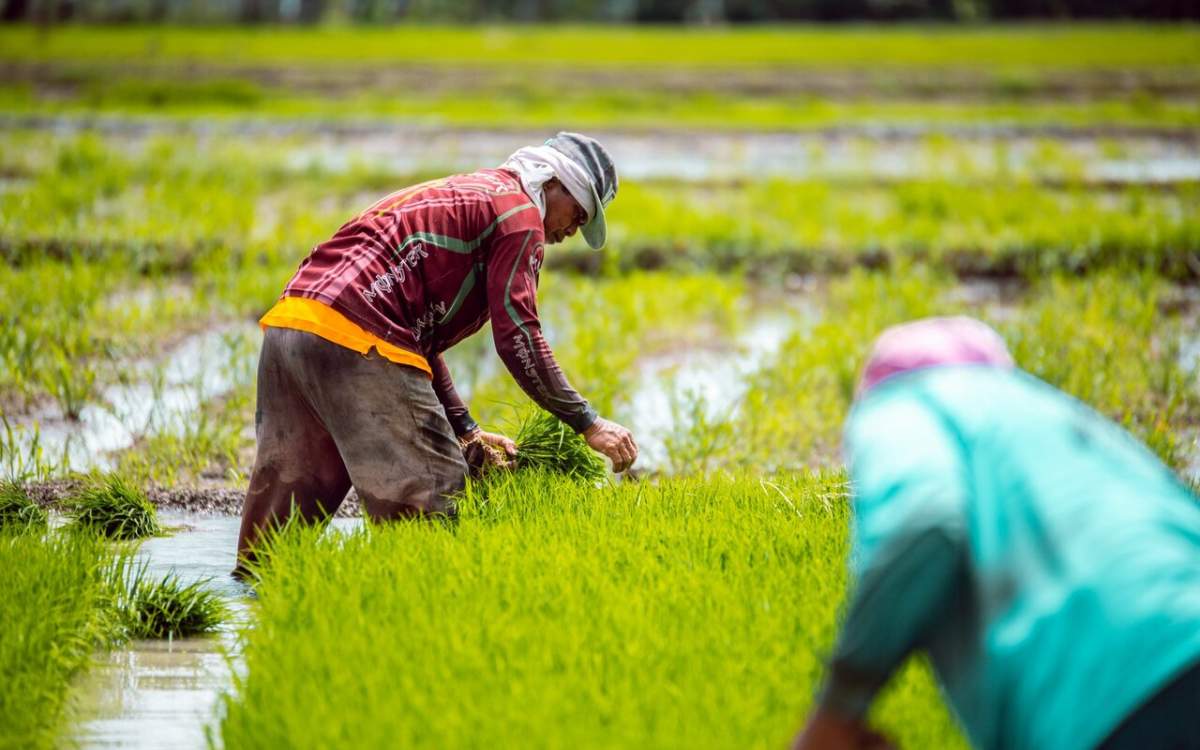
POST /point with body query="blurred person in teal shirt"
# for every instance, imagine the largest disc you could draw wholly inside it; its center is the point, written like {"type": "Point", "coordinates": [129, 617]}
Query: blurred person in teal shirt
{"type": "Point", "coordinates": [1046, 561]}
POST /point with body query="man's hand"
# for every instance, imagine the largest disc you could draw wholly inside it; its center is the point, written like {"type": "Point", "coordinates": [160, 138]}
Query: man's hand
{"type": "Point", "coordinates": [497, 450]}
{"type": "Point", "coordinates": [826, 731]}
{"type": "Point", "coordinates": [614, 441]}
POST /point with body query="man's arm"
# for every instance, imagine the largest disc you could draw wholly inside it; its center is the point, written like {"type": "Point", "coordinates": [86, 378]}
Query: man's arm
{"type": "Point", "coordinates": [456, 411]}
{"type": "Point", "coordinates": [909, 558]}
{"type": "Point", "coordinates": [898, 598]}
{"type": "Point", "coordinates": [904, 592]}
{"type": "Point", "coordinates": [512, 297]}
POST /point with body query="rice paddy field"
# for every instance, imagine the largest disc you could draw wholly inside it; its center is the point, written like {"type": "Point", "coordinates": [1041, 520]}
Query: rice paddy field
{"type": "Point", "coordinates": [786, 193]}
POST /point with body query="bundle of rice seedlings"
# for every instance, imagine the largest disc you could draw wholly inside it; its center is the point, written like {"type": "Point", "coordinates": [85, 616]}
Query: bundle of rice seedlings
{"type": "Point", "coordinates": [18, 509]}
{"type": "Point", "coordinates": [114, 508]}
{"type": "Point", "coordinates": [167, 609]}
{"type": "Point", "coordinates": [544, 442]}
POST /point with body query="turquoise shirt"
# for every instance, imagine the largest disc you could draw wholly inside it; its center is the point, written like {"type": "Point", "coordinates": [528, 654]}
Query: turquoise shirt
{"type": "Point", "coordinates": [1045, 559]}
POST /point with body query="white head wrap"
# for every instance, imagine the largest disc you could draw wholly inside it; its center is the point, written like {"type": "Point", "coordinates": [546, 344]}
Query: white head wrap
{"type": "Point", "coordinates": [536, 165]}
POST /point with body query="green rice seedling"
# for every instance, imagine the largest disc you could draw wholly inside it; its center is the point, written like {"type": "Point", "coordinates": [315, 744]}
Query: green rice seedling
{"type": "Point", "coordinates": [74, 384]}
{"type": "Point", "coordinates": [545, 443]}
{"type": "Point", "coordinates": [115, 508]}
{"type": "Point", "coordinates": [165, 608]}
{"type": "Point", "coordinates": [17, 508]}
{"type": "Point", "coordinates": [22, 457]}
{"type": "Point", "coordinates": [1002, 48]}
{"type": "Point", "coordinates": [698, 438]}
{"type": "Point", "coordinates": [54, 606]}
{"type": "Point", "coordinates": [686, 612]}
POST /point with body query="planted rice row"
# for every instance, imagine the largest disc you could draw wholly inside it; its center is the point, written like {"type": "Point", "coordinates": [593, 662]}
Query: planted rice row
{"type": "Point", "coordinates": [996, 47]}
{"type": "Point", "coordinates": [687, 612]}
{"type": "Point", "coordinates": [86, 204]}
{"type": "Point", "coordinates": [1086, 336]}
{"type": "Point", "coordinates": [555, 106]}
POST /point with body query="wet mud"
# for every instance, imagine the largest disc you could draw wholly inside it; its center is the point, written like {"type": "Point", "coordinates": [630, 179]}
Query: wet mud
{"type": "Point", "coordinates": [214, 500]}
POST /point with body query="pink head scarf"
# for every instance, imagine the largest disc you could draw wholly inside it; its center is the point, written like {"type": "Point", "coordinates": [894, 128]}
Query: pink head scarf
{"type": "Point", "coordinates": [931, 342]}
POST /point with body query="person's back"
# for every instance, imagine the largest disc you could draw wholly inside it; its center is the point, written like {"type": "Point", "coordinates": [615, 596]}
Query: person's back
{"type": "Point", "coordinates": [417, 267]}
{"type": "Point", "coordinates": [1078, 589]}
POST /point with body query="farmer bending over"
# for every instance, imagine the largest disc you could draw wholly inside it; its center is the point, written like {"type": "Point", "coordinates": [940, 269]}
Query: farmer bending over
{"type": "Point", "coordinates": [1047, 562]}
{"type": "Point", "coordinates": [352, 387]}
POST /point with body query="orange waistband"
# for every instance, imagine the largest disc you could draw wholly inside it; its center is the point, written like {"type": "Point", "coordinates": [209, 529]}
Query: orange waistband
{"type": "Point", "coordinates": [303, 314]}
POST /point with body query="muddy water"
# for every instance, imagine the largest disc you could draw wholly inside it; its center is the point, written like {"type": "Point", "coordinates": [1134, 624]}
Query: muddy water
{"type": "Point", "coordinates": [159, 396]}
{"type": "Point", "coordinates": [164, 694]}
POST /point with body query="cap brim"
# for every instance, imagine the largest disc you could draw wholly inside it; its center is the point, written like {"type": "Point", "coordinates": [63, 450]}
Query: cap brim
{"type": "Point", "coordinates": [595, 232]}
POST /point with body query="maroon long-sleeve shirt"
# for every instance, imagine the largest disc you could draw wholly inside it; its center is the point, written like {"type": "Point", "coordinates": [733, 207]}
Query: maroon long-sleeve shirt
{"type": "Point", "coordinates": [427, 266]}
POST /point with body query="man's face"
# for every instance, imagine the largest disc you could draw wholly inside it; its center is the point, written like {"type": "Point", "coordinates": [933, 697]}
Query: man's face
{"type": "Point", "coordinates": [564, 215]}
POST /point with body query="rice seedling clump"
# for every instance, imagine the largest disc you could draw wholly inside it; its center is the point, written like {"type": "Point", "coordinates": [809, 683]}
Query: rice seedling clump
{"type": "Point", "coordinates": [544, 442]}
{"type": "Point", "coordinates": [18, 509]}
{"type": "Point", "coordinates": [165, 608]}
{"type": "Point", "coordinates": [116, 509]}
{"type": "Point", "coordinates": [53, 606]}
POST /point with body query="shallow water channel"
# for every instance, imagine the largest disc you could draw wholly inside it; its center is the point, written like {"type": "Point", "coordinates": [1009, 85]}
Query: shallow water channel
{"type": "Point", "coordinates": [165, 694]}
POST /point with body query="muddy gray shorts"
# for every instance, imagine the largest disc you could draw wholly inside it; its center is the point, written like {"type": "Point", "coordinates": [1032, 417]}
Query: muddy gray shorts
{"type": "Point", "coordinates": [329, 418]}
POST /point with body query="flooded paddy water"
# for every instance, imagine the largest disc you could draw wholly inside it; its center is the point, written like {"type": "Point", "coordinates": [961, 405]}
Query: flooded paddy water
{"type": "Point", "coordinates": [875, 152]}
{"type": "Point", "coordinates": [712, 379]}
{"type": "Point", "coordinates": [162, 694]}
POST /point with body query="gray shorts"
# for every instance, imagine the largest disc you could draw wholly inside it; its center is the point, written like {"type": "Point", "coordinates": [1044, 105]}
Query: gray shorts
{"type": "Point", "coordinates": [329, 418]}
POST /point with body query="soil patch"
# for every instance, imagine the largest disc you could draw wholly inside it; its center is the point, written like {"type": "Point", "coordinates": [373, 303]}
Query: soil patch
{"type": "Point", "coordinates": [333, 80]}
{"type": "Point", "coordinates": [210, 500]}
